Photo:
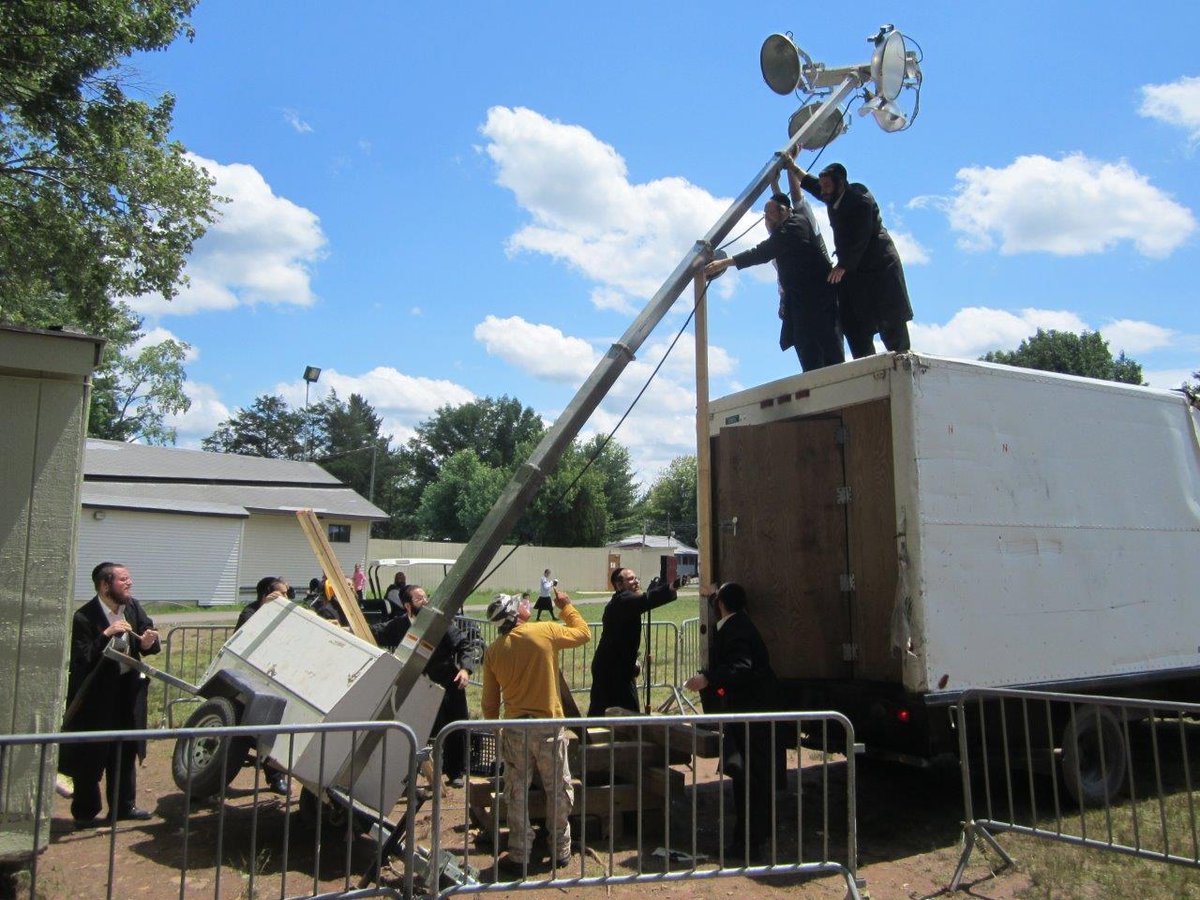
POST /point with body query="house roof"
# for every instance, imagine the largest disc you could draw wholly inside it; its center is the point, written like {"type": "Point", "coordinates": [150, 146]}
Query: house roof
{"type": "Point", "coordinates": [116, 459]}
{"type": "Point", "coordinates": [654, 542]}
{"type": "Point", "coordinates": [133, 476]}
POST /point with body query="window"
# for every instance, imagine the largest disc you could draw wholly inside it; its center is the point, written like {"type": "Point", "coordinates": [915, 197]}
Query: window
{"type": "Point", "coordinates": [339, 534]}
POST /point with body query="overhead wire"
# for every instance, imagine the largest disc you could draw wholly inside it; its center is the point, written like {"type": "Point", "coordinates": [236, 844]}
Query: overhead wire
{"type": "Point", "coordinates": [608, 438]}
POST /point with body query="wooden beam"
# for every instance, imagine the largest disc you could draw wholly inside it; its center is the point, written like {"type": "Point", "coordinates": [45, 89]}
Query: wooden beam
{"type": "Point", "coordinates": [333, 572]}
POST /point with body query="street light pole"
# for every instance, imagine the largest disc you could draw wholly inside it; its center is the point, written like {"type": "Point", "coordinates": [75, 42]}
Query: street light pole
{"type": "Point", "coordinates": [311, 374]}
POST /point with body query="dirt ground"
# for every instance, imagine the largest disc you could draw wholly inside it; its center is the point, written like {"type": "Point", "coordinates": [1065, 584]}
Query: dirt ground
{"type": "Point", "coordinates": [908, 825]}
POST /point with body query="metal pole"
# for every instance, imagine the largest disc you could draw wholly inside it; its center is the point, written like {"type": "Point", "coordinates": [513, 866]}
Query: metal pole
{"type": "Point", "coordinates": [448, 598]}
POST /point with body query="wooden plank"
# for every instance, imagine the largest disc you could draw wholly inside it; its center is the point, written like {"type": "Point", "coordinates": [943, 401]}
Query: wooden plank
{"type": "Point", "coordinates": [870, 472]}
{"type": "Point", "coordinates": [311, 527]}
{"type": "Point", "coordinates": [679, 739]}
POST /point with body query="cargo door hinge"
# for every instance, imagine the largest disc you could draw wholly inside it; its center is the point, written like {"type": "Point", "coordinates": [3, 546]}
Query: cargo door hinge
{"type": "Point", "coordinates": [847, 582]}
{"type": "Point", "coordinates": [844, 495]}
{"type": "Point", "coordinates": [849, 652]}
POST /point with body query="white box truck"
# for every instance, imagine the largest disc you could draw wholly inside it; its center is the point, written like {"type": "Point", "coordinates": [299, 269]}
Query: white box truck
{"type": "Point", "coordinates": [909, 527]}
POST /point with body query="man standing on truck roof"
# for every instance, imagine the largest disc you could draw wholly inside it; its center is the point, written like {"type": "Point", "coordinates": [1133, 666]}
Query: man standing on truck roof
{"type": "Point", "coordinates": [615, 666]}
{"type": "Point", "coordinates": [105, 695]}
{"type": "Point", "coordinates": [522, 666]}
{"type": "Point", "coordinates": [873, 296]}
{"type": "Point", "coordinates": [808, 306]}
{"type": "Point", "coordinates": [739, 678]}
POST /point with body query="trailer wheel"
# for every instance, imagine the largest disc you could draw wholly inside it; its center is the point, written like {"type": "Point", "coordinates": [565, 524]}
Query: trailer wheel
{"type": "Point", "coordinates": [333, 816]}
{"type": "Point", "coordinates": [203, 766]}
{"type": "Point", "coordinates": [1094, 761]}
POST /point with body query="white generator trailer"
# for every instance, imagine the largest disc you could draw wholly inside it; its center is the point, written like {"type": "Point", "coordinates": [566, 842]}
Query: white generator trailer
{"type": "Point", "coordinates": [908, 527]}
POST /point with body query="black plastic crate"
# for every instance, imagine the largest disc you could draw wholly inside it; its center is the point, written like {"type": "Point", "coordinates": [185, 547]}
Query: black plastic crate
{"type": "Point", "coordinates": [485, 760]}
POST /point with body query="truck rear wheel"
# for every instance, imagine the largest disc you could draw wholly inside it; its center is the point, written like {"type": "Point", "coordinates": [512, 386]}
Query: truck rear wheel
{"type": "Point", "coordinates": [1094, 761]}
{"type": "Point", "coordinates": [203, 766]}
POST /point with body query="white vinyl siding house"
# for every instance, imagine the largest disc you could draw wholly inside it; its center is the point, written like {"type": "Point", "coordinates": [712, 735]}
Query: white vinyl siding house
{"type": "Point", "coordinates": [202, 528]}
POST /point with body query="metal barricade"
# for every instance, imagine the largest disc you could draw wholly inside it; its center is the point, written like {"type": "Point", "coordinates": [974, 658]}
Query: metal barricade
{"type": "Point", "coordinates": [649, 799]}
{"type": "Point", "coordinates": [688, 655]}
{"type": "Point", "coordinates": [187, 651]}
{"type": "Point", "coordinates": [343, 781]}
{"type": "Point", "coordinates": [1102, 772]}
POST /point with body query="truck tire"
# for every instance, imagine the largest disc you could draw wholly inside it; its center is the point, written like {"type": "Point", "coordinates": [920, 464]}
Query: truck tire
{"type": "Point", "coordinates": [1090, 779]}
{"type": "Point", "coordinates": [333, 816]}
{"type": "Point", "coordinates": [203, 766]}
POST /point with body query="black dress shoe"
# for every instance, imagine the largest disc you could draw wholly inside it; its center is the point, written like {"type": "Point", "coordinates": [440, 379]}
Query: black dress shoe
{"type": "Point", "coordinates": [85, 824]}
{"type": "Point", "coordinates": [134, 814]}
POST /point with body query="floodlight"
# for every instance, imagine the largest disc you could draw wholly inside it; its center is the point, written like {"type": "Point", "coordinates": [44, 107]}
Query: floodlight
{"type": "Point", "coordinates": [820, 134]}
{"type": "Point", "coordinates": [782, 64]}
{"type": "Point", "coordinates": [890, 63]}
{"type": "Point", "coordinates": [311, 374]}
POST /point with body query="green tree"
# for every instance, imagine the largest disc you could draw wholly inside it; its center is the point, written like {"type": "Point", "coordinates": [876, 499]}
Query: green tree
{"type": "Point", "coordinates": [492, 428]}
{"type": "Point", "coordinates": [453, 505]}
{"type": "Point", "coordinates": [268, 427]}
{"type": "Point", "coordinates": [1085, 354]}
{"type": "Point", "coordinates": [620, 489]}
{"type": "Point", "coordinates": [670, 503]}
{"type": "Point", "coordinates": [133, 393]}
{"type": "Point", "coordinates": [571, 510]}
{"type": "Point", "coordinates": [356, 452]}
{"type": "Point", "coordinates": [96, 203]}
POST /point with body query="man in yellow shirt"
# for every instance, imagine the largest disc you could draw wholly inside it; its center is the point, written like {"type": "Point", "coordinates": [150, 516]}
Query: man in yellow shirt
{"type": "Point", "coordinates": [522, 666]}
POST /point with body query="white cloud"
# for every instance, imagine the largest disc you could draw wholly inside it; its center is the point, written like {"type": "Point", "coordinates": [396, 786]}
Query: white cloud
{"type": "Point", "coordinates": [1133, 337]}
{"type": "Point", "coordinates": [628, 237]}
{"type": "Point", "coordinates": [661, 426]}
{"type": "Point", "coordinates": [1177, 103]}
{"type": "Point", "coordinates": [975, 330]}
{"type": "Point", "coordinates": [261, 249]}
{"type": "Point", "coordinates": [203, 416]}
{"type": "Point", "coordinates": [157, 336]}
{"type": "Point", "coordinates": [1067, 207]}
{"type": "Point", "coordinates": [912, 252]}
{"type": "Point", "coordinates": [539, 350]}
{"type": "Point", "coordinates": [293, 118]}
{"type": "Point", "coordinates": [401, 401]}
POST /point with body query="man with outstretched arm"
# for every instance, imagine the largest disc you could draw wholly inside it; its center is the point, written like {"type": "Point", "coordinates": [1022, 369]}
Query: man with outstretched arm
{"type": "Point", "coordinates": [873, 296]}
{"type": "Point", "coordinates": [614, 666]}
{"type": "Point", "coordinates": [808, 304]}
{"type": "Point", "coordinates": [521, 666]}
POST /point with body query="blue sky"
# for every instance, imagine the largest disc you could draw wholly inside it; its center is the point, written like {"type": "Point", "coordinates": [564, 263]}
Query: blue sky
{"type": "Point", "coordinates": [436, 202]}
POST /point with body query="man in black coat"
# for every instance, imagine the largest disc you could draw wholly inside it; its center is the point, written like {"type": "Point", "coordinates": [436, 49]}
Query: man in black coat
{"type": "Point", "coordinates": [450, 665]}
{"type": "Point", "coordinates": [103, 695]}
{"type": "Point", "coordinates": [614, 665]}
{"type": "Point", "coordinates": [808, 306]}
{"type": "Point", "coordinates": [873, 294]}
{"type": "Point", "coordinates": [739, 678]}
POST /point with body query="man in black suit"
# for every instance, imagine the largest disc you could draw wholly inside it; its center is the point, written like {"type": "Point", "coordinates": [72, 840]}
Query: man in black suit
{"type": "Point", "coordinates": [614, 666]}
{"type": "Point", "coordinates": [873, 296]}
{"type": "Point", "coordinates": [739, 678]}
{"type": "Point", "coordinates": [450, 665]}
{"type": "Point", "coordinates": [104, 695]}
{"type": "Point", "coordinates": [807, 303]}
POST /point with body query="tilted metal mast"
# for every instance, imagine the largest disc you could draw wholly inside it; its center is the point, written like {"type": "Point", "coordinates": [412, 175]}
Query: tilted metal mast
{"type": "Point", "coordinates": [429, 627]}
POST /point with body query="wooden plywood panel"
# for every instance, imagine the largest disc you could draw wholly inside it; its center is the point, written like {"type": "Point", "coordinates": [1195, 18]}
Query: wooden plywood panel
{"type": "Point", "coordinates": [788, 546]}
{"type": "Point", "coordinates": [872, 532]}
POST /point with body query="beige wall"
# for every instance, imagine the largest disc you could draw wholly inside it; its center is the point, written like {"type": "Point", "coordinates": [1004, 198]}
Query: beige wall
{"type": "Point", "coordinates": [44, 383]}
{"type": "Point", "coordinates": [578, 569]}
